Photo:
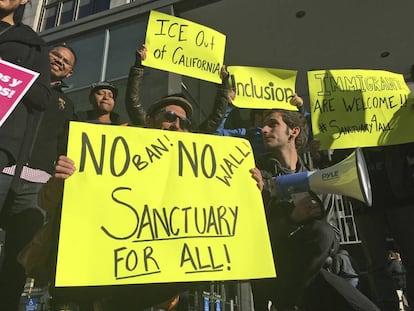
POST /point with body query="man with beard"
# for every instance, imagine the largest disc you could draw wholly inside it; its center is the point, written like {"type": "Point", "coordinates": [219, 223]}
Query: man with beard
{"type": "Point", "coordinates": [302, 229]}
{"type": "Point", "coordinates": [169, 113]}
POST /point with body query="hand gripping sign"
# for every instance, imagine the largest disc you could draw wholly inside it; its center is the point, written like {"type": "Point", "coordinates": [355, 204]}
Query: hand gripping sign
{"type": "Point", "coordinates": [153, 206]}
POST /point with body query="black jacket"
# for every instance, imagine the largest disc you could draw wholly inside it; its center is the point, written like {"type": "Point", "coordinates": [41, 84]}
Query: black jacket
{"type": "Point", "coordinates": [52, 136]}
{"type": "Point", "coordinates": [397, 272]}
{"type": "Point", "coordinates": [221, 102]}
{"type": "Point", "coordinates": [22, 46]}
{"type": "Point", "coordinates": [133, 103]}
{"type": "Point", "coordinates": [136, 112]}
{"type": "Point", "coordinates": [342, 265]}
{"type": "Point", "coordinates": [278, 210]}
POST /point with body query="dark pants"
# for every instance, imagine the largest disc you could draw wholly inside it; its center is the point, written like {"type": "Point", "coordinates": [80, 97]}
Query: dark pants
{"type": "Point", "coordinates": [20, 230]}
{"type": "Point", "coordinates": [331, 292]}
{"type": "Point", "coordinates": [5, 184]}
{"type": "Point", "coordinates": [298, 259]}
{"type": "Point", "coordinates": [22, 218]}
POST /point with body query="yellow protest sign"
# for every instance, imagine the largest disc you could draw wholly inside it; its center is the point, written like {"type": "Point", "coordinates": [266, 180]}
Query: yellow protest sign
{"type": "Point", "coordinates": [262, 88]}
{"type": "Point", "coordinates": [153, 206]}
{"type": "Point", "coordinates": [360, 108]}
{"type": "Point", "coordinates": [178, 45]}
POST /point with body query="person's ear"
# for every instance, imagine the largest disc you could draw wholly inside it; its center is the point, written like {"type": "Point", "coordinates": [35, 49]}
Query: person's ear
{"type": "Point", "coordinates": [294, 133]}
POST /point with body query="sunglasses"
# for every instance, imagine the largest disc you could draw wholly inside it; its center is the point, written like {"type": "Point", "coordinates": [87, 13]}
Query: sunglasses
{"type": "Point", "coordinates": [171, 116]}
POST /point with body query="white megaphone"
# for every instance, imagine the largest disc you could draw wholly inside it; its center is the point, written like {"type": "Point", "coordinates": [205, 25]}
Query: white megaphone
{"type": "Point", "coordinates": [348, 177]}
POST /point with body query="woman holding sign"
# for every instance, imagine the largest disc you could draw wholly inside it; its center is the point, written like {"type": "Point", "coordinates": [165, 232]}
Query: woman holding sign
{"type": "Point", "coordinates": [21, 46]}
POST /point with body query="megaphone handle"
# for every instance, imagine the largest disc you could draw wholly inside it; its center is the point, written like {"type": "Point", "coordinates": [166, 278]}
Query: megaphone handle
{"type": "Point", "coordinates": [307, 206]}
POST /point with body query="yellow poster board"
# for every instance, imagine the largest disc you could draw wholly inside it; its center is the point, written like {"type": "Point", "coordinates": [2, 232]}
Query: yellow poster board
{"type": "Point", "coordinates": [262, 88]}
{"type": "Point", "coordinates": [178, 45]}
{"type": "Point", "coordinates": [360, 108]}
{"type": "Point", "coordinates": [153, 206]}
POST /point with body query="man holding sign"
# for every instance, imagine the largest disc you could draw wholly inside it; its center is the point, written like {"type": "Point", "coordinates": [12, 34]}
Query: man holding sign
{"type": "Point", "coordinates": [172, 250]}
{"type": "Point", "coordinates": [170, 113]}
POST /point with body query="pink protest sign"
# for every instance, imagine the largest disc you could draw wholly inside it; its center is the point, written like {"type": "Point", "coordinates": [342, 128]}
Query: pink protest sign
{"type": "Point", "coordinates": [15, 81]}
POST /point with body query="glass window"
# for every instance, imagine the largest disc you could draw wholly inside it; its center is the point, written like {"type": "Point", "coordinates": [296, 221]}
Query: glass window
{"type": "Point", "coordinates": [101, 5]}
{"type": "Point", "coordinates": [85, 8]}
{"type": "Point", "coordinates": [49, 18]}
{"type": "Point", "coordinates": [70, 10]}
{"type": "Point", "coordinates": [123, 42]}
{"type": "Point", "coordinates": [67, 12]}
{"type": "Point", "coordinates": [89, 51]}
{"type": "Point", "coordinates": [80, 99]}
{"type": "Point", "coordinates": [201, 94]}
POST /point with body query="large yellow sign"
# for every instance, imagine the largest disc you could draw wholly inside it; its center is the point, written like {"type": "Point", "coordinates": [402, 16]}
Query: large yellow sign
{"type": "Point", "coordinates": [153, 206]}
{"type": "Point", "coordinates": [177, 45]}
{"type": "Point", "coordinates": [262, 88]}
{"type": "Point", "coordinates": [360, 108]}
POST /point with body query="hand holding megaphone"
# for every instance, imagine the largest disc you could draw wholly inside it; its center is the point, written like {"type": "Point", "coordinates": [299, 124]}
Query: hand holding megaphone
{"type": "Point", "coordinates": [348, 177]}
{"type": "Point", "coordinates": [306, 206]}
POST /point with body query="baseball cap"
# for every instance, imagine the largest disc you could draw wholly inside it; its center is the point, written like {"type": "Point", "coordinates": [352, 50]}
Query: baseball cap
{"type": "Point", "coordinates": [171, 100]}
{"type": "Point", "coordinates": [104, 85]}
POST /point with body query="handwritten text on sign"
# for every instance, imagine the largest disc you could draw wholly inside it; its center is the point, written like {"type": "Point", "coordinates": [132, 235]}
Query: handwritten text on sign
{"type": "Point", "coordinates": [360, 108]}
{"type": "Point", "coordinates": [15, 81]}
{"type": "Point", "coordinates": [151, 206]}
{"type": "Point", "coordinates": [177, 45]}
{"type": "Point", "coordinates": [262, 88]}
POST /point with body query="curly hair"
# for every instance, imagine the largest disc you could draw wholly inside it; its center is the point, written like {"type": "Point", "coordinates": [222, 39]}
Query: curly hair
{"type": "Point", "coordinates": [295, 119]}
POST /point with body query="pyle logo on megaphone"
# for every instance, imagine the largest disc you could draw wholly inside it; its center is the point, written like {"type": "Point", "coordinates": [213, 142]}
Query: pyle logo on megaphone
{"type": "Point", "coordinates": [348, 177]}
{"type": "Point", "coordinates": [330, 175]}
